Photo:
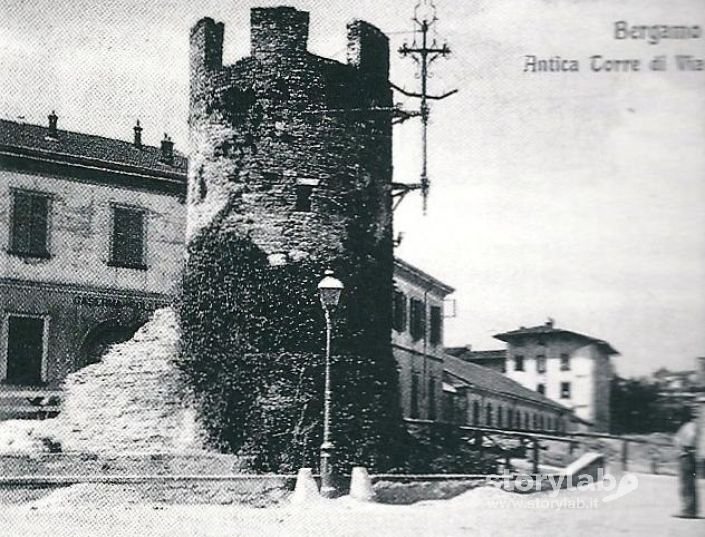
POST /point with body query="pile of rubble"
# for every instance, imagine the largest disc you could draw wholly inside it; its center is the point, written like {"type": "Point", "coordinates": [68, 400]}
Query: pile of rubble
{"type": "Point", "coordinates": [132, 400]}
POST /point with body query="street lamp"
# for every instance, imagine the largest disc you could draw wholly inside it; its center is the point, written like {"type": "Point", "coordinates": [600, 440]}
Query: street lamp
{"type": "Point", "coordinates": [329, 290]}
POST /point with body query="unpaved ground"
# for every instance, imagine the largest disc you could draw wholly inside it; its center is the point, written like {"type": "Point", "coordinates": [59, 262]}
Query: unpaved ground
{"type": "Point", "coordinates": [483, 512]}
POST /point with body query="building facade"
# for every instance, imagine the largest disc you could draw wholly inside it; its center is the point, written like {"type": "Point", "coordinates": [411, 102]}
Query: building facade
{"type": "Point", "coordinates": [417, 340]}
{"type": "Point", "coordinates": [92, 242]}
{"type": "Point", "coordinates": [565, 366]}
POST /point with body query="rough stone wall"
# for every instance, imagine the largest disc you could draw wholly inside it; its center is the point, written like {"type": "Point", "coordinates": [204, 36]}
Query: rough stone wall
{"type": "Point", "coordinates": [132, 400]}
{"type": "Point", "coordinates": [284, 117]}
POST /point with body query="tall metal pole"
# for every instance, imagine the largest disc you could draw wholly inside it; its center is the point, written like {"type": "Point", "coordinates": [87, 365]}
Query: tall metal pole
{"type": "Point", "coordinates": [424, 56]}
{"type": "Point", "coordinates": [327, 447]}
{"type": "Point", "coordinates": [424, 115]}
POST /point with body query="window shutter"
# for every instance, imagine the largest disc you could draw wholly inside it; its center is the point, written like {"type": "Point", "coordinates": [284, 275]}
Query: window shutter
{"type": "Point", "coordinates": [38, 225]}
{"type": "Point", "coordinates": [21, 222]}
{"type": "Point", "coordinates": [128, 237]}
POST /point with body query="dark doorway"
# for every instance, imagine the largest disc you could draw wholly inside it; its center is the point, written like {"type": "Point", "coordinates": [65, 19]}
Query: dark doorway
{"type": "Point", "coordinates": [101, 338]}
{"type": "Point", "coordinates": [25, 349]}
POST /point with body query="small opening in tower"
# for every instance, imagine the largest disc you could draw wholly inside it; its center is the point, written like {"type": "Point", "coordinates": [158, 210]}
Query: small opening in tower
{"type": "Point", "coordinates": [303, 197]}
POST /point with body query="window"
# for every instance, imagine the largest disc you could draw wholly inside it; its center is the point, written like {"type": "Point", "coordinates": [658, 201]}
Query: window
{"type": "Point", "coordinates": [510, 418]}
{"type": "Point", "coordinates": [541, 388]}
{"type": "Point", "coordinates": [500, 417]}
{"type": "Point", "coordinates": [30, 224]}
{"type": "Point", "coordinates": [541, 363]}
{"type": "Point", "coordinates": [526, 421]}
{"type": "Point", "coordinates": [417, 319]}
{"type": "Point", "coordinates": [127, 245]}
{"type": "Point", "coordinates": [565, 390]}
{"type": "Point", "coordinates": [518, 420]}
{"type": "Point", "coordinates": [399, 311]}
{"type": "Point", "coordinates": [565, 362]}
{"type": "Point", "coordinates": [541, 422]}
{"type": "Point", "coordinates": [25, 350]}
{"type": "Point", "coordinates": [518, 363]}
{"type": "Point", "coordinates": [414, 410]}
{"type": "Point", "coordinates": [303, 198]}
{"type": "Point", "coordinates": [488, 415]}
{"type": "Point", "coordinates": [475, 413]}
{"type": "Point", "coordinates": [436, 325]}
{"type": "Point", "coordinates": [432, 398]}
{"type": "Point", "coordinates": [536, 422]}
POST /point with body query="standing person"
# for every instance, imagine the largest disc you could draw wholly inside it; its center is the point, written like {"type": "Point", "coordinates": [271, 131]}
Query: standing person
{"type": "Point", "coordinates": [685, 441]}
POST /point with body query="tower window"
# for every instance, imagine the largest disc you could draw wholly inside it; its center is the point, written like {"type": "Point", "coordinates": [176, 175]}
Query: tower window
{"type": "Point", "coordinates": [541, 388]}
{"type": "Point", "coordinates": [303, 198]}
{"type": "Point", "coordinates": [30, 224]}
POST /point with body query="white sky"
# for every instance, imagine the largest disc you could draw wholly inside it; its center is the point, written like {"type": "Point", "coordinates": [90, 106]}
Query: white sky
{"type": "Point", "coordinates": [579, 196]}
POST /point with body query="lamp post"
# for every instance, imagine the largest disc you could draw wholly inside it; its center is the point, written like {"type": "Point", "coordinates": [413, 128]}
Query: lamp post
{"type": "Point", "coordinates": [329, 290]}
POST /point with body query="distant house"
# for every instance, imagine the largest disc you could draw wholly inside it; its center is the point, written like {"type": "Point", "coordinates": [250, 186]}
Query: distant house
{"type": "Point", "coordinates": [568, 367]}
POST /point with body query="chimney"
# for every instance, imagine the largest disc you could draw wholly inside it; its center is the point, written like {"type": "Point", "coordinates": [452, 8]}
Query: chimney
{"type": "Point", "coordinates": [138, 134]}
{"type": "Point", "coordinates": [167, 149]}
{"type": "Point", "coordinates": [53, 118]}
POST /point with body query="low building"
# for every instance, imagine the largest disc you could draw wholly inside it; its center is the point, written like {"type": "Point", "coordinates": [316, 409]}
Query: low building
{"type": "Point", "coordinates": [417, 339]}
{"type": "Point", "coordinates": [568, 367]}
{"type": "Point", "coordinates": [92, 242]}
{"type": "Point", "coordinates": [482, 397]}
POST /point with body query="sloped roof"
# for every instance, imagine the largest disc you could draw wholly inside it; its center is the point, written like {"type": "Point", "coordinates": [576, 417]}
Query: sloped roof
{"type": "Point", "coordinates": [549, 330]}
{"type": "Point", "coordinates": [480, 377]}
{"type": "Point", "coordinates": [36, 140]}
{"type": "Point", "coordinates": [467, 354]}
{"type": "Point", "coordinates": [407, 270]}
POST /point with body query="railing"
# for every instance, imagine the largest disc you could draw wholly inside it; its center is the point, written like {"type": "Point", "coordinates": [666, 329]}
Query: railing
{"type": "Point", "coordinates": [534, 438]}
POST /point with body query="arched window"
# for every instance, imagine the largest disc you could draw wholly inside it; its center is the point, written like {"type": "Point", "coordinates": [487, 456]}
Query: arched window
{"type": "Point", "coordinates": [488, 417]}
{"type": "Point", "coordinates": [475, 413]}
{"type": "Point", "coordinates": [536, 422]}
{"type": "Point", "coordinates": [510, 418]}
{"type": "Point", "coordinates": [526, 421]}
{"type": "Point", "coordinates": [518, 420]}
{"type": "Point", "coordinates": [500, 417]}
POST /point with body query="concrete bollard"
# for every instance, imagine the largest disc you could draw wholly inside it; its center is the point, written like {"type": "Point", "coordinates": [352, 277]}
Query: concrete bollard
{"type": "Point", "coordinates": [361, 485]}
{"type": "Point", "coordinates": [306, 489]}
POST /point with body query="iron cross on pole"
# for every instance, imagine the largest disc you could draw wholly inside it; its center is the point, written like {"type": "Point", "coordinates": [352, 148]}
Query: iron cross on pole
{"type": "Point", "coordinates": [425, 54]}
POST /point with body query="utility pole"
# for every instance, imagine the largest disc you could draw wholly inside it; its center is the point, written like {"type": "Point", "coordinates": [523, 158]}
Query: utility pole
{"type": "Point", "coordinates": [424, 55]}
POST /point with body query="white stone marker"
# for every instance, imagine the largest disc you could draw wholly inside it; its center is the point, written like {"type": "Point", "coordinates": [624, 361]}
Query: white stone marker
{"type": "Point", "coordinates": [306, 489]}
{"type": "Point", "coordinates": [361, 485]}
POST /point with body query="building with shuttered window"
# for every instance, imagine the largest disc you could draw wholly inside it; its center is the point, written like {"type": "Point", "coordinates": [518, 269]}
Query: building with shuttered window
{"type": "Point", "coordinates": [417, 339]}
{"type": "Point", "coordinates": [91, 230]}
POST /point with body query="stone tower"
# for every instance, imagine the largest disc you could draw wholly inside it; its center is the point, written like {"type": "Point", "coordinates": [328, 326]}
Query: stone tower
{"type": "Point", "coordinates": [290, 168]}
{"type": "Point", "coordinates": [291, 148]}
